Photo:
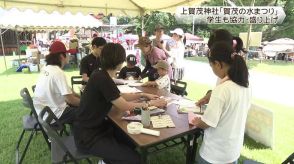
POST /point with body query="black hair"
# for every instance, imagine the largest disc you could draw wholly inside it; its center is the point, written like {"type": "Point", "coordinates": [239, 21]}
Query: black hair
{"type": "Point", "coordinates": [184, 40]}
{"type": "Point", "coordinates": [238, 71]}
{"type": "Point", "coordinates": [98, 41]}
{"type": "Point", "coordinates": [54, 59]}
{"type": "Point", "coordinates": [220, 35]}
{"type": "Point", "coordinates": [239, 46]}
{"type": "Point", "coordinates": [112, 55]}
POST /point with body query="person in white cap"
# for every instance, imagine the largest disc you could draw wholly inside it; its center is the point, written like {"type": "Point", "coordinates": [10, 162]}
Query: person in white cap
{"type": "Point", "coordinates": [176, 53]}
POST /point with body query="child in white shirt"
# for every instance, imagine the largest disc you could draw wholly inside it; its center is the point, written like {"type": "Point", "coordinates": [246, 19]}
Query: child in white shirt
{"type": "Point", "coordinates": [225, 116]}
{"type": "Point", "coordinates": [163, 82]}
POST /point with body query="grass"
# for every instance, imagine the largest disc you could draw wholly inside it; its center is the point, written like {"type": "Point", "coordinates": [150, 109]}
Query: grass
{"type": "Point", "coordinates": [266, 66]}
{"type": "Point", "coordinates": [11, 111]}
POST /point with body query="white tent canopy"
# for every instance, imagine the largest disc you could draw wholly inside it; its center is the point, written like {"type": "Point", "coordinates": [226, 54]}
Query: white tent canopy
{"type": "Point", "coordinates": [282, 45]}
{"type": "Point", "coordinates": [116, 7]}
{"type": "Point", "coordinates": [14, 18]}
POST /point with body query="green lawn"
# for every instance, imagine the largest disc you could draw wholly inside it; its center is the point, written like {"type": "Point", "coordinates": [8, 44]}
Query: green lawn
{"type": "Point", "coordinates": [267, 66]}
{"type": "Point", "coordinates": [11, 111]}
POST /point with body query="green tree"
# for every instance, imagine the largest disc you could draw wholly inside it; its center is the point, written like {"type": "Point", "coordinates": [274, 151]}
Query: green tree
{"type": "Point", "coordinates": [286, 28]}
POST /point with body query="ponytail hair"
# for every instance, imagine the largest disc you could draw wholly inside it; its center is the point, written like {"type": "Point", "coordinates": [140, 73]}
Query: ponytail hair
{"type": "Point", "coordinates": [239, 45]}
{"type": "Point", "coordinates": [238, 71]}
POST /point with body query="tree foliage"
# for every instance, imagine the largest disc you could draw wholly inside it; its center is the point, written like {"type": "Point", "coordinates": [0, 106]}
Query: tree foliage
{"type": "Point", "coordinates": [284, 30]}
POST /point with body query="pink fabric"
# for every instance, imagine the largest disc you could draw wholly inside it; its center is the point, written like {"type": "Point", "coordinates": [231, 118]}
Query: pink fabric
{"type": "Point", "coordinates": [158, 54]}
{"type": "Point", "coordinates": [155, 55]}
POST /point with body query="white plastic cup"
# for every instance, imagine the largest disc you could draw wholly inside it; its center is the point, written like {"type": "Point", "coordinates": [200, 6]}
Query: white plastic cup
{"type": "Point", "coordinates": [145, 117]}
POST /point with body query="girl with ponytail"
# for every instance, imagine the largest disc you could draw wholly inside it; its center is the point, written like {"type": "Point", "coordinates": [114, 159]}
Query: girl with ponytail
{"type": "Point", "coordinates": [225, 116]}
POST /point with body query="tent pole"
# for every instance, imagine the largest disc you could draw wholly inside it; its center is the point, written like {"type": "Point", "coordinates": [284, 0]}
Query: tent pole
{"type": "Point", "coordinates": [193, 25]}
{"type": "Point", "coordinates": [17, 42]}
{"type": "Point", "coordinates": [3, 49]}
{"type": "Point", "coordinates": [142, 25]}
{"type": "Point", "coordinates": [249, 31]}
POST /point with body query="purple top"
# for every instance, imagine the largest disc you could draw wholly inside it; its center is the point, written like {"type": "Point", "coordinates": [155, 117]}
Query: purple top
{"type": "Point", "coordinates": [156, 55]}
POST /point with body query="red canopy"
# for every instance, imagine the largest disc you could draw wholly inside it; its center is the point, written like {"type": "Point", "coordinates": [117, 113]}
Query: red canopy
{"type": "Point", "coordinates": [193, 37]}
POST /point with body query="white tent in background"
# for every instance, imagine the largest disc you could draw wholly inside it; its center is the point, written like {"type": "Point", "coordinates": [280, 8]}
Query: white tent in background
{"type": "Point", "coordinates": [164, 37]}
{"type": "Point", "coordinates": [29, 19]}
{"type": "Point", "coordinates": [116, 7]}
{"type": "Point", "coordinates": [282, 45]}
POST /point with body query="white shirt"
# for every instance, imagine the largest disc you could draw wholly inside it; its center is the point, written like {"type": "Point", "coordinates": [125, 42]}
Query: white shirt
{"type": "Point", "coordinates": [163, 82]}
{"type": "Point", "coordinates": [50, 90]}
{"type": "Point", "coordinates": [177, 55]}
{"type": "Point", "coordinates": [226, 115]}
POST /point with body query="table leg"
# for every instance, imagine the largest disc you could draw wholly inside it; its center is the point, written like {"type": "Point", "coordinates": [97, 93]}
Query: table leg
{"type": "Point", "coordinates": [143, 155]}
{"type": "Point", "coordinates": [194, 149]}
{"type": "Point", "coordinates": [189, 149]}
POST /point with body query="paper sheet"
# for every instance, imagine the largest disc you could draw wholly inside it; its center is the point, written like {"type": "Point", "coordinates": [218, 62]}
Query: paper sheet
{"type": "Point", "coordinates": [194, 109]}
{"type": "Point", "coordinates": [135, 84]}
{"type": "Point", "coordinates": [127, 89]}
{"type": "Point", "coordinates": [184, 103]}
{"type": "Point", "coordinates": [162, 121]}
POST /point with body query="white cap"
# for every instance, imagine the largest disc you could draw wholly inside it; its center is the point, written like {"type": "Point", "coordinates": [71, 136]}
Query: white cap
{"type": "Point", "coordinates": [177, 31]}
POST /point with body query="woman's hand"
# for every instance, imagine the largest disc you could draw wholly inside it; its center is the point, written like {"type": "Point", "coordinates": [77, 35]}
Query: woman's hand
{"type": "Point", "coordinates": [204, 100]}
{"type": "Point", "coordinates": [160, 103]}
{"type": "Point", "coordinates": [150, 96]}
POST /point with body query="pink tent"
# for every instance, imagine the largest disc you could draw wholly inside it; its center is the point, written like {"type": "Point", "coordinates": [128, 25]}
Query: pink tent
{"type": "Point", "coordinates": [193, 37]}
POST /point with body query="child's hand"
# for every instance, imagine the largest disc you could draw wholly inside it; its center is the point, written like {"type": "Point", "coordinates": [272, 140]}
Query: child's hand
{"type": "Point", "coordinates": [196, 121]}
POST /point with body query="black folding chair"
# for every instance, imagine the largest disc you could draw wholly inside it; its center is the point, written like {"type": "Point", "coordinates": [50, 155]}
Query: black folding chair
{"type": "Point", "coordinates": [289, 160]}
{"type": "Point", "coordinates": [76, 80]}
{"type": "Point", "coordinates": [30, 124]}
{"type": "Point", "coordinates": [178, 87]}
{"type": "Point", "coordinates": [63, 149]}
{"type": "Point", "coordinates": [33, 88]}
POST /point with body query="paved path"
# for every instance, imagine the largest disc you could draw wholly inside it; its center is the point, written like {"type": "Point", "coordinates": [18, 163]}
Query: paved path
{"type": "Point", "coordinates": [275, 88]}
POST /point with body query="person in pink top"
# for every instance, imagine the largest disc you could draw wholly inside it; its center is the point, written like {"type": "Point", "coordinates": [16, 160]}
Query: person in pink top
{"type": "Point", "coordinates": [152, 55]}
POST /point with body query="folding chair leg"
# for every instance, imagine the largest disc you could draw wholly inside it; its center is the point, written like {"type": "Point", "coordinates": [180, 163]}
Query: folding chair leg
{"type": "Point", "coordinates": [27, 146]}
{"type": "Point", "coordinates": [46, 138]}
{"type": "Point", "coordinates": [17, 146]}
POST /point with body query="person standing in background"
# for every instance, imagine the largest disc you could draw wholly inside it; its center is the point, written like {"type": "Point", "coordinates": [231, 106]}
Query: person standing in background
{"type": "Point", "coordinates": [177, 51]}
{"type": "Point", "coordinates": [92, 61]}
{"type": "Point", "coordinates": [152, 55]}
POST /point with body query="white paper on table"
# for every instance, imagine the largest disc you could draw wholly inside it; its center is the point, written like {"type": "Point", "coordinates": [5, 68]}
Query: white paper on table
{"type": "Point", "coordinates": [194, 109]}
{"type": "Point", "coordinates": [119, 81]}
{"type": "Point", "coordinates": [135, 84]}
{"type": "Point", "coordinates": [127, 89]}
{"type": "Point", "coordinates": [184, 103]}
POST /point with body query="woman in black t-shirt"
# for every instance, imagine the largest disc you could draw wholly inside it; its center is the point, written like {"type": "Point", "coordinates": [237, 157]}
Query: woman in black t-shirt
{"type": "Point", "coordinates": [92, 132]}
